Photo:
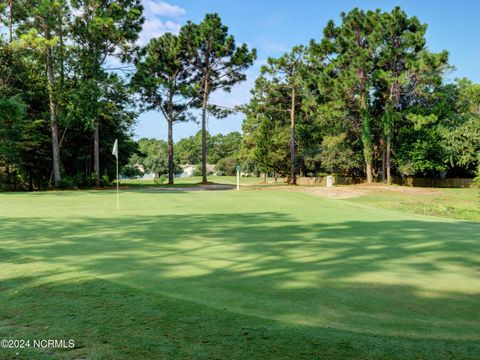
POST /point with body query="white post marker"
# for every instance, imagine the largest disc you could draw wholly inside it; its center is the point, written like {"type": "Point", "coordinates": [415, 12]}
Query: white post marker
{"type": "Point", "coordinates": [115, 152]}
{"type": "Point", "coordinates": [238, 177]}
{"type": "Point", "coordinates": [329, 181]}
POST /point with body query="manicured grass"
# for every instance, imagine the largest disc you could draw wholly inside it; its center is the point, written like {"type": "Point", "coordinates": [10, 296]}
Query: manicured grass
{"type": "Point", "coordinates": [462, 204]}
{"type": "Point", "coordinates": [238, 275]}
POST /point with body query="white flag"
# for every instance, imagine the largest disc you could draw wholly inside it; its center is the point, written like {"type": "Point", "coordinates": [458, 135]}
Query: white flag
{"type": "Point", "coordinates": [115, 149]}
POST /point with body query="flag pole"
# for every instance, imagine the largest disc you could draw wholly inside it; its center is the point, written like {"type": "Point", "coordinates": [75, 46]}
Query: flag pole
{"type": "Point", "coordinates": [115, 152]}
{"type": "Point", "coordinates": [118, 189]}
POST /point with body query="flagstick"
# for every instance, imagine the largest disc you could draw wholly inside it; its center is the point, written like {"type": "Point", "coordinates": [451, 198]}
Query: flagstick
{"type": "Point", "coordinates": [118, 181]}
{"type": "Point", "coordinates": [115, 152]}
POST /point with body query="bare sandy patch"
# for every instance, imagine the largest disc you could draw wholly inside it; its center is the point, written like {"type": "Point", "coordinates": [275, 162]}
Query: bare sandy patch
{"type": "Point", "coordinates": [200, 187]}
{"type": "Point", "coordinates": [350, 191]}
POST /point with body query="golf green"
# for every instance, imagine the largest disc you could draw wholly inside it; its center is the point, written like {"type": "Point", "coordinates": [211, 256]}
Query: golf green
{"type": "Point", "coordinates": [256, 274]}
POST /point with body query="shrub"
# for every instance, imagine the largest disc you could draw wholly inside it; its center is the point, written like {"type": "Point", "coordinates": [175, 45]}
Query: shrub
{"type": "Point", "coordinates": [131, 172]}
{"type": "Point", "coordinates": [67, 182]}
{"type": "Point", "coordinates": [198, 171]}
{"type": "Point", "coordinates": [105, 180]}
{"type": "Point", "coordinates": [476, 181]}
{"type": "Point", "coordinates": [160, 180]}
{"type": "Point", "coordinates": [228, 166]}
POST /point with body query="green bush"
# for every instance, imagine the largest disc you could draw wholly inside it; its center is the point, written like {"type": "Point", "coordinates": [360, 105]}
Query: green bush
{"type": "Point", "coordinates": [228, 166]}
{"type": "Point", "coordinates": [476, 182]}
{"type": "Point", "coordinates": [198, 171]}
{"type": "Point", "coordinates": [105, 180]}
{"type": "Point", "coordinates": [67, 182]}
{"type": "Point", "coordinates": [131, 172]}
{"type": "Point", "coordinates": [160, 180]}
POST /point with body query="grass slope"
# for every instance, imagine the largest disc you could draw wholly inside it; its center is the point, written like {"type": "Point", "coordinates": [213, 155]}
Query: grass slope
{"type": "Point", "coordinates": [463, 204]}
{"type": "Point", "coordinates": [238, 275]}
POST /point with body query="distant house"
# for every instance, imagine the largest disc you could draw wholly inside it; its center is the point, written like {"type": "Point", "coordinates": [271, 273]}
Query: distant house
{"type": "Point", "coordinates": [145, 174]}
{"type": "Point", "coordinates": [148, 176]}
{"type": "Point", "coordinates": [188, 170]}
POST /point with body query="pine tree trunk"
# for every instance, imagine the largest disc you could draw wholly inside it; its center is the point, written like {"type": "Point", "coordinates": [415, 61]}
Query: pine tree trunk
{"type": "Point", "coordinates": [293, 179]}
{"type": "Point", "coordinates": [96, 155]}
{"type": "Point", "coordinates": [366, 126]}
{"type": "Point", "coordinates": [170, 151]}
{"type": "Point", "coordinates": [389, 138]}
{"type": "Point", "coordinates": [204, 132]}
{"type": "Point", "coordinates": [7, 172]}
{"type": "Point", "coordinates": [96, 132]}
{"type": "Point", "coordinates": [30, 179]}
{"type": "Point", "coordinates": [368, 170]}
{"type": "Point", "coordinates": [382, 146]}
{"type": "Point", "coordinates": [367, 141]}
{"type": "Point", "coordinates": [53, 115]}
{"type": "Point", "coordinates": [388, 162]}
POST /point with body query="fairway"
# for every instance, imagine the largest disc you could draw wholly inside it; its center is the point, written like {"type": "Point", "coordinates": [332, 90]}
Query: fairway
{"type": "Point", "coordinates": [228, 274]}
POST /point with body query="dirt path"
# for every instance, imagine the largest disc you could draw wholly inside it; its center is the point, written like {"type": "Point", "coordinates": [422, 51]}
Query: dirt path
{"type": "Point", "coordinates": [208, 187]}
{"type": "Point", "coordinates": [336, 192]}
{"type": "Point", "coordinates": [349, 191]}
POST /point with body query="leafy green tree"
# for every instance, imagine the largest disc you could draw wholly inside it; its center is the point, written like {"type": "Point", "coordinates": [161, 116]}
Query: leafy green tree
{"type": "Point", "coordinates": [219, 64]}
{"type": "Point", "coordinates": [12, 12]}
{"type": "Point", "coordinates": [337, 156]}
{"type": "Point", "coordinates": [23, 71]}
{"type": "Point", "coordinates": [132, 170]}
{"type": "Point", "coordinates": [103, 29]}
{"type": "Point", "coordinates": [189, 150]}
{"type": "Point", "coordinates": [44, 23]}
{"type": "Point", "coordinates": [267, 132]}
{"type": "Point", "coordinates": [22, 78]}
{"type": "Point", "coordinates": [224, 146]}
{"type": "Point", "coordinates": [227, 165]}
{"type": "Point", "coordinates": [115, 122]}
{"type": "Point", "coordinates": [164, 81]}
{"type": "Point", "coordinates": [461, 135]}
{"type": "Point", "coordinates": [367, 75]}
{"type": "Point", "coordinates": [419, 152]}
{"type": "Point", "coordinates": [154, 157]}
{"type": "Point", "coordinates": [154, 154]}
{"type": "Point", "coordinates": [405, 69]}
{"type": "Point", "coordinates": [285, 72]}
{"type": "Point", "coordinates": [350, 51]}
{"type": "Point", "coordinates": [12, 115]}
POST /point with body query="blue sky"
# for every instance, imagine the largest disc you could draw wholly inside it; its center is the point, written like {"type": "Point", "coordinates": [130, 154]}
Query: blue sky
{"type": "Point", "coordinates": [273, 27]}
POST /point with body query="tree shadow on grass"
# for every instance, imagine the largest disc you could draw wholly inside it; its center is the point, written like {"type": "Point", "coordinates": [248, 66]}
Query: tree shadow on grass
{"type": "Point", "coordinates": [110, 320]}
{"type": "Point", "coordinates": [379, 282]}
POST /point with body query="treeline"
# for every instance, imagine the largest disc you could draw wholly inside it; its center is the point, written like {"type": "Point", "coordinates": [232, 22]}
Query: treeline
{"type": "Point", "coordinates": [71, 72]}
{"type": "Point", "coordinates": [60, 105]}
{"type": "Point", "coordinates": [223, 151]}
{"type": "Point", "coordinates": [368, 100]}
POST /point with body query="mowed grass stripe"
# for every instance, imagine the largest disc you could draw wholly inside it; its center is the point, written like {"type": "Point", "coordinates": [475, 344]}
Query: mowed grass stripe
{"type": "Point", "coordinates": [319, 266]}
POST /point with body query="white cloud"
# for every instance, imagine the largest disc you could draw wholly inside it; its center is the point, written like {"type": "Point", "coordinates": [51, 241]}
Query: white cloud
{"type": "Point", "coordinates": [154, 26]}
{"type": "Point", "coordinates": [164, 9]}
